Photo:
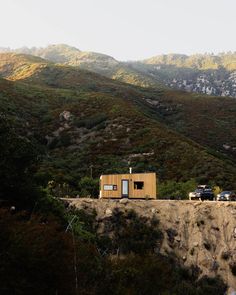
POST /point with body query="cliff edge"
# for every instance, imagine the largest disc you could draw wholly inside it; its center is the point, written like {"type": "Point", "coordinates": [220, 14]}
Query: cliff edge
{"type": "Point", "coordinates": [201, 234]}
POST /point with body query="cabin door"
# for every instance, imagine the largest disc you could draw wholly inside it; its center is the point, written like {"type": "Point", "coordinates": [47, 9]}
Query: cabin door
{"type": "Point", "coordinates": [125, 188]}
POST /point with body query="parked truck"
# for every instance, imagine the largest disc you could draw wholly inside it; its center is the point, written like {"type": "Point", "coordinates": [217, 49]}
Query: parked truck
{"type": "Point", "coordinates": [202, 193]}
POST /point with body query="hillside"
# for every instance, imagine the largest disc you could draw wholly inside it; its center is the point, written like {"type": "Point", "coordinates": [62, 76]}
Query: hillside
{"type": "Point", "coordinates": [186, 113]}
{"type": "Point", "coordinates": [202, 73]}
{"type": "Point", "coordinates": [90, 124]}
{"type": "Point", "coordinates": [202, 118]}
{"type": "Point", "coordinates": [92, 61]}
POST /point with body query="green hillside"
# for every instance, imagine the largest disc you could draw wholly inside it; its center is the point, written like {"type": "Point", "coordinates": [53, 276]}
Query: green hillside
{"type": "Point", "coordinates": [89, 124]}
{"type": "Point", "coordinates": [62, 127]}
{"type": "Point", "coordinates": [207, 120]}
{"type": "Point", "coordinates": [187, 113]}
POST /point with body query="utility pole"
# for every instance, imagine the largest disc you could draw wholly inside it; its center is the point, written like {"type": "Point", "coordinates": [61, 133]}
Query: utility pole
{"type": "Point", "coordinates": [91, 171]}
{"type": "Point", "coordinates": [70, 226]}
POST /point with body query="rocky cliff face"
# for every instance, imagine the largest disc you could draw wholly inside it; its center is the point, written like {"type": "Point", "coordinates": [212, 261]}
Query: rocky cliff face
{"type": "Point", "coordinates": [209, 82]}
{"type": "Point", "coordinates": [201, 234]}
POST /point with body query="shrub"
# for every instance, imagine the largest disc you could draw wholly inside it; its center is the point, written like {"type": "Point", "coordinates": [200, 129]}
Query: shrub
{"type": "Point", "coordinates": [132, 233]}
{"type": "Point", "coordinates": [175, 190]}
{"type": "Point", "coordinates": [233, 268]}
{"type": "Point", "coordinates": [29, 256]}
{"type": "Point", "coordinates": [91, 121]}
{"type": "Point", "coordinates": [88, 187]}
{"type": "Point", "coordinates": [18, 158]}
{"type": "Point", "coordinates": [225, 255]}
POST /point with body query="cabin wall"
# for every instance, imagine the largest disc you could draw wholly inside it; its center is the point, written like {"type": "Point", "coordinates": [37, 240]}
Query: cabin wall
{"type": "Point", "coordinates": [148, 190]}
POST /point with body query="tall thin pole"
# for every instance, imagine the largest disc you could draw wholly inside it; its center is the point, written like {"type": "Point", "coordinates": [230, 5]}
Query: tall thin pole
{"type": "Point", "coordinates": [75, 256]}
{"type": "Point", "coordinates": [91, 171]}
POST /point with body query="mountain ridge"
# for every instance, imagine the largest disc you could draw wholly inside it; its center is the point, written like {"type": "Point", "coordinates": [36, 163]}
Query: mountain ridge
{"type": "Point", "coordinates": [202, 73]}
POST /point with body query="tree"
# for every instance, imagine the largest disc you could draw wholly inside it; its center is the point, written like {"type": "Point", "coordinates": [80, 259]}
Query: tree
{"type": "Point", "coordinates": [17, 158]}
{"type": "Point", "coordinates": [89, 187]}
{"type": "Point", "coordinates": [174, 189]}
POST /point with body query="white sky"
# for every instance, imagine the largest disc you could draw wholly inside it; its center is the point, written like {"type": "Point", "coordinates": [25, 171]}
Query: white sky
{"type": "Point", "coordinates": [124, 29]}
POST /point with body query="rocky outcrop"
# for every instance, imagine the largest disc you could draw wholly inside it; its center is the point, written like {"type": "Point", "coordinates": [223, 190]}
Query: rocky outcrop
{"type": "Point", "coordinates": [201, 234]}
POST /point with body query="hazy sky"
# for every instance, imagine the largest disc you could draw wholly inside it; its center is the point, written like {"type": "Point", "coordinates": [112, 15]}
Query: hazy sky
{"type": "Point", "coordinates": [125, 29]}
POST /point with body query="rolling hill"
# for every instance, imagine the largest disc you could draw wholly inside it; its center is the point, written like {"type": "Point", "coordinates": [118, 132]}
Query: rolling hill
{"type": "Point", "coordinates": [88, 123]}
{"type": "Point", "coordinates": [202, 73]}
{"type": "Point", "coordinates": [92, 61]}
{"type": "Point", "coordinates": [186, 113]}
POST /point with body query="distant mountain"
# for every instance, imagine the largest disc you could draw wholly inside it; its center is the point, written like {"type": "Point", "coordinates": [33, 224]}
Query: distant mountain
{"type": "Point", "coordinates": [92, 61]}
{"type": "Point", "coordinates": [86, 120]}
{"type": "Point", "coordinates": [197, 61]}
{"type": "Point", "coordinates": [60, 53]}
{"type": "Point", "coordinates": [202, 73]}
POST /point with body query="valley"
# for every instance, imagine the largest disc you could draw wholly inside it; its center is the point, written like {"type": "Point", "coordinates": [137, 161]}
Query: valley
{"type": "Point", "coordinates": [117, 147]}
{"type": "Point", "coordinates": [75, 115]}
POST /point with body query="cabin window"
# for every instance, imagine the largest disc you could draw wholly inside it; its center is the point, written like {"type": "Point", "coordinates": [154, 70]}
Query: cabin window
{"type": "Point", "coordinates": [108, 187]}
{"type": "Point", "coordinates": [138, 184]}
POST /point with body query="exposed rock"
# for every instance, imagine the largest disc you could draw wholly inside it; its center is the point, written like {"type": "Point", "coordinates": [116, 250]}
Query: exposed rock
{"type": "Point", "coordinates": [197, 240]}
{"type": "Point", "coordinates": [66, 126]}
{"type": "Point", "coordinates": [108, 212]}
{"type": "Point", "coordinates": [124, 201]}
{"type": "Point", "coordinates": [154, 210]}
{"type": "Point", "coordinates": [66, 115]}
{"type": "Point", "coordinates": [231, 291]}
{"type": "Point", "coordinates": [226, 146]}
{"type": "Point", "coordinates": [12, 209]}
{"type": "Point", "coordinates": [178, 239]}
{"type": "Point", "coordinates": [58, 131]}
{"type": "Point", "coordinates": [87, 200]}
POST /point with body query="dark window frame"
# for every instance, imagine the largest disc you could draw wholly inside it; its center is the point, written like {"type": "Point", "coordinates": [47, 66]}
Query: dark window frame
{"type": "Point", "coordinates": [139, 185]}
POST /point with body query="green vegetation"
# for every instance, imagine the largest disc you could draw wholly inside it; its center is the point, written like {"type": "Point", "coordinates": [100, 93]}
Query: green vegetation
{"type": "Point", "coordinates": [46, 249]}
{"type": "Point", "coordinates": [111, 126]}
{"type": "Point", "coordinates": [131, 233]}
{"type": "Point", "coordinates": [44, 258]}
{"type": "Point", "coordinates": [176, 190]}
{"type": "Point", "coordinates": [92, 121]}
{"type": "Point", "coordinates": [18, 154]}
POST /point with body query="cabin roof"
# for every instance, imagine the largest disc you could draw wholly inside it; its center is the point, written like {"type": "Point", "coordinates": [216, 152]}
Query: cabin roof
{"type": "Point", "coordinates": [142, 173]}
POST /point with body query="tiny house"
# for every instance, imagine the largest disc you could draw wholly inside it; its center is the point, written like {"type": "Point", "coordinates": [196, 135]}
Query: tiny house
{"type": "Point", "coordinates": [132, 186]}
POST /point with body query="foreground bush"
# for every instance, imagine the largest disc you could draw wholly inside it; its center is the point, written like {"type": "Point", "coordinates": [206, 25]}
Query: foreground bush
{"type": "Point", "coordinates": [39, 256]}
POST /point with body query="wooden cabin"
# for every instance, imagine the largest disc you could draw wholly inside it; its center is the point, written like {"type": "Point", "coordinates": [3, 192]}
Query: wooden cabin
{"type": "Point", "coordinates": [132, 186]}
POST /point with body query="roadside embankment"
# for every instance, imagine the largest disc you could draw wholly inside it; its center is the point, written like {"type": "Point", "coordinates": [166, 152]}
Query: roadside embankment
{"type": "Point", "coordinates": [202, 234]}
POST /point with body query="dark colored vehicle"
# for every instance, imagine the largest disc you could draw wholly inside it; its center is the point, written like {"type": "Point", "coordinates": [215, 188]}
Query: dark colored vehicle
{"type": "Point", "coordinates": [207, 194]}
{"type": "Point", "coordinates": [226, 196]}
{"type": "Point", "coordinates": [203, 192]}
